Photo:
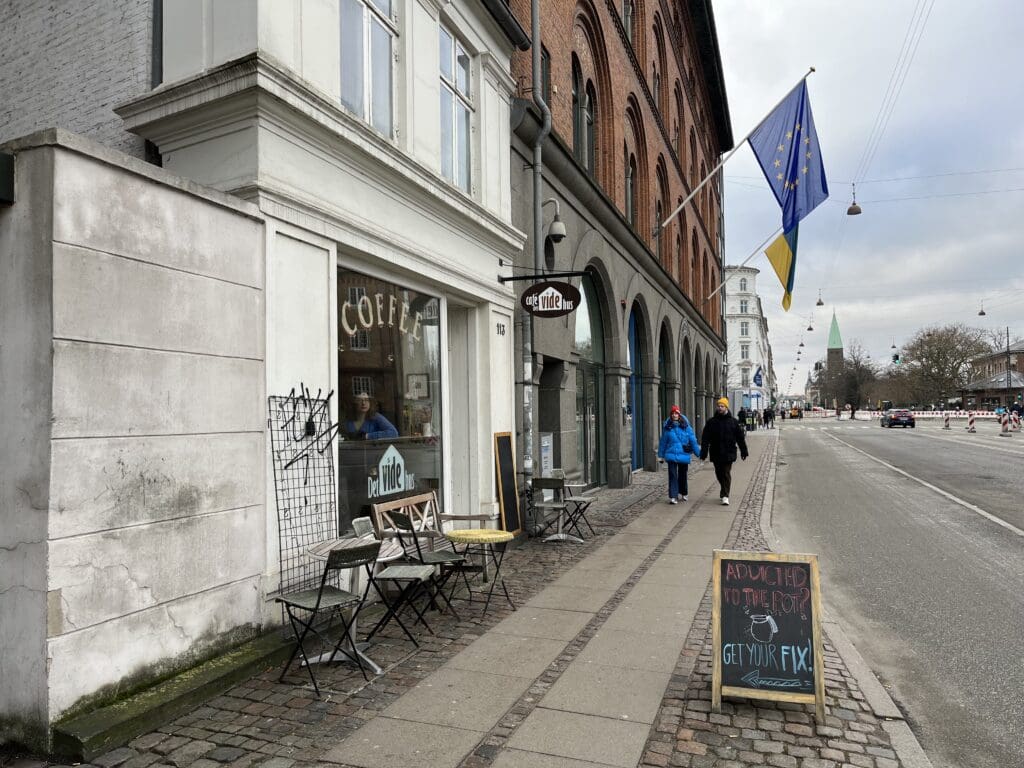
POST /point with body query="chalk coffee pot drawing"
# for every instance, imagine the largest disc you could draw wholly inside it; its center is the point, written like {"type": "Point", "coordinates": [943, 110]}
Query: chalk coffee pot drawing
{"type": "Point", "coordinates": [763, 627]}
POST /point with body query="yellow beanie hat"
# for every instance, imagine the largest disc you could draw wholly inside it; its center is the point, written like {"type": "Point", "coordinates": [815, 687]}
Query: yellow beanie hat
{"type": "Point", "coordinates": [722, 401]}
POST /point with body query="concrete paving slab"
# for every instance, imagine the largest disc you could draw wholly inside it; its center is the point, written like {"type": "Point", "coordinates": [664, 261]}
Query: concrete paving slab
{"type": "Point", "coordinates": [624, 553]}
{"type": "Point", "coordinates": [525, 657]}
{"type": "Point", "coordinates": [652, 621]}
{"type": "Point", "coordinates": [652, 525]}
{"type": "Point", "coordinates": [630, 650]}
{"type": "Point", "coordinates": [685, 571]}
{"type": "Point", "coordinates": [599, 579]}
{"type": "Point", "coordinates": [387, 743]}
{"type": "Point", "coordinates": [697, 542]}
{"type": "Point", "coordinates": [609, 691]}
{"type": "Point", "coordinates": [581, 737]}
{"type": "Point", "coordinates": [572, 598]}
{"type": "Point", "coordinates": [638, 540]}
{"type": "Point", "coordinates": [530, 621]}
{"type": "Point", "coordinates": [650, 594]}
{"type": "Point", "coordinates": [611, 562]}
{"type": "Point", "coordinates": [517, 758]}
{"type": "Point", "coordinates": [459, 698]}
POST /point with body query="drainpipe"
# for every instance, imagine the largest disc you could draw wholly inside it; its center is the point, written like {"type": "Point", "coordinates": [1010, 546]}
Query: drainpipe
{"type": "Point", "coordinates": [538, 242]}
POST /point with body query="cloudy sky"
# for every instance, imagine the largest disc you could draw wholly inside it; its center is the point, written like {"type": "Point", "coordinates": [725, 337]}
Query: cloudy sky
{"type": "Point", "coordinates": [942, 193]}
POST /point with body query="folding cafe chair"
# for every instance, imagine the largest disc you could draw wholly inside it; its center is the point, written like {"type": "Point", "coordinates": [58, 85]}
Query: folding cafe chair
{"type": "Point", "coordinates": [307, 608]}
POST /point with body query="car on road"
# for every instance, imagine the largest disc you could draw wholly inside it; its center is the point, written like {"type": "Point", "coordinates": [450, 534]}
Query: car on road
{"type": "Point", "coordinates": [898, 417]}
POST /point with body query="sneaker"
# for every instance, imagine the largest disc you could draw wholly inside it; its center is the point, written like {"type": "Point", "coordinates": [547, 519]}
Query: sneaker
{"type": "Point", "coordinates": [686, 498]}
{"type": "Point", "coordinates": [725, 501]}
{"type": "Point", "coordinates": [671, 501]}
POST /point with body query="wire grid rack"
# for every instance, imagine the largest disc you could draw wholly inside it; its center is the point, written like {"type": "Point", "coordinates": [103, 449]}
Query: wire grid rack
{"type": "Point", "coordinates": [301, 436]}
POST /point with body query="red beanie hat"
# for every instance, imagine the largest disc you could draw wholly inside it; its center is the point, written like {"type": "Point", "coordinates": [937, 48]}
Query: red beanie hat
{"type": "Point", "coordinates": [675, 409]}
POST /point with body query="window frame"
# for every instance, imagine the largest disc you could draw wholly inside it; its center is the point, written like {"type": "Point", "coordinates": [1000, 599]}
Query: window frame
{"type": "Point", "coordinates": [745, 328]}
{"type": "Point", "coordinates": [460, 177]}
{"type": "Point", "coordinates": [389, 22]}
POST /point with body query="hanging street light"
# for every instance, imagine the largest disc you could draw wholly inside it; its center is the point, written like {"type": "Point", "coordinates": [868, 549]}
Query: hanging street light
{"type": "Point", "coordinates": [854, 209]}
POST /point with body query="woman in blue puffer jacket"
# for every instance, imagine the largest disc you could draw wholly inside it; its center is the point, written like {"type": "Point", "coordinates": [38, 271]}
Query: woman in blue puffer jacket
{"type": "Point", "coordinates": [678, 444]}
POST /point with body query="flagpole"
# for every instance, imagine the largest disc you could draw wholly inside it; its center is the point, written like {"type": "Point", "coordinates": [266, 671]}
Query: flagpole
{"type": "Point", "coordinates": [734, 150]}
{"type": "Point", "coordinates": [756, 251]}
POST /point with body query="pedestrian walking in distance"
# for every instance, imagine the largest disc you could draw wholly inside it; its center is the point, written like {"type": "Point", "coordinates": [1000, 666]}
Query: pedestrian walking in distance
{"type": "Point", "coordinates": [721, 437]}
{"type": "Point", "coordinates": [678, 444]}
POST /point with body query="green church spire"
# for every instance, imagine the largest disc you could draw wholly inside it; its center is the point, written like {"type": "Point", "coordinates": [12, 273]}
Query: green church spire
{"type": "Point", "coordinates": [835, 341]}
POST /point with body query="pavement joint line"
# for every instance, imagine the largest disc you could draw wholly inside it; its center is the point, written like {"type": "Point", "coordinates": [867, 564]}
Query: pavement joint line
{"type": "Point", "coordinates": [487, 750]}
{"type": "Point", "coordinates": [955, 499]}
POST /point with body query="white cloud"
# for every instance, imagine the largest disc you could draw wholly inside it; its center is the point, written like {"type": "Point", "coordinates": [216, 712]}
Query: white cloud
{"type": "Point", "coordinates": [903, 264]}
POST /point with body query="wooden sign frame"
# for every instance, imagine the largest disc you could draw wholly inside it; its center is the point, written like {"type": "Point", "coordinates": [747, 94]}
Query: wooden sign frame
{"type": "Point", "coordinates": [717, 689]}
{"type": "Point", "coordinates": [498, 438]}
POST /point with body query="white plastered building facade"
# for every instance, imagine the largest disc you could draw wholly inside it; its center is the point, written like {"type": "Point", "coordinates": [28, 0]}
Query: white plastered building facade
{"type": "Point", "coordinates": [252, 105]}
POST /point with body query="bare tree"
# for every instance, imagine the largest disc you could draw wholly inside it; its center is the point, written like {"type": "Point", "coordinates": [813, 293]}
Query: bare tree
{"type": "Point", "coordinates": [859, 374]}
{"type": "Point", "coordinates": [937, 360]}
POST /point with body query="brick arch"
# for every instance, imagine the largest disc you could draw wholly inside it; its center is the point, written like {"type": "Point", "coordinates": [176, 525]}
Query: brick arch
{"type": "Point", "coordinates": [661, 195]}
{"type": "Point", "coordinates": [661, 97]}
{"type": "Point", "coordinates": [590, 48]}
{"type": "Point", "coordinates": [679, 117]}
{"type": "Point", "coordinates": [694, 269]}
{"type": "Point", "coordinates": [636, 143]}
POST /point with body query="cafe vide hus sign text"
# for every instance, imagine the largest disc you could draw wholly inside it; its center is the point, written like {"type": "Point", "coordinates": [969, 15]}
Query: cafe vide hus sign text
{"type": "Point", "coordinates": [550, 299]}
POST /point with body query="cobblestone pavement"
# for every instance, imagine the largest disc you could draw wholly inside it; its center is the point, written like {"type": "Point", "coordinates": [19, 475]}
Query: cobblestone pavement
{"type": "Point", "coordinates": [688, 734]}
{"type": "Point", "coordinates": [266, 723]}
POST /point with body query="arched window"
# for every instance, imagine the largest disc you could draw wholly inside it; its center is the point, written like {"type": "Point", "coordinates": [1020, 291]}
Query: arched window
{"type": "Point", "coordinates": [656, 82]}
{"type": "Point", "coordinates": [658, 231]}
{"type": "Point", "coordinates": [631, 201]}
{"type": "Point", "coordinates": [628, 14]}
{"type": "Point", "coordinates": [693, 157]}
{"type": "Point", "coordinates": [589, 127]}
{"type": "Point", "coordinates": [677, 268]}
{"type": "Point", "coordinates": [678, 136]}
{"type": "Point", "coordinates": [579, 97]}
{"type": "Point", "coordinates": [743, 283]}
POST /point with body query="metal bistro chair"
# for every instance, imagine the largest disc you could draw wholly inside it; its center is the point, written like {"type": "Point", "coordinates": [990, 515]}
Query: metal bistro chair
{"type": "Point", "coordinates": [330, 600]}
{"type": "Point", "coordinates": [447, 561]}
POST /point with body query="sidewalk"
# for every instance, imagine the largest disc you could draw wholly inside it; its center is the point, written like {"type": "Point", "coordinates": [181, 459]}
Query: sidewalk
{"type": "Point", "coordinates": [607, 661]}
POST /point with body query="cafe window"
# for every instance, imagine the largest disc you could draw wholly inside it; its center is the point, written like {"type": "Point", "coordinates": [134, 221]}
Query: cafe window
{"type": "Point", "coordinates": [389, 441]}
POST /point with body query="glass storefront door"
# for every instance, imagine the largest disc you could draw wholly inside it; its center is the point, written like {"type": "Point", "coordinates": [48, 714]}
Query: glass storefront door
{"type": "Point", "coordinates": [590, 425]}
{"type": "Point", "coordinates": [389, 392]}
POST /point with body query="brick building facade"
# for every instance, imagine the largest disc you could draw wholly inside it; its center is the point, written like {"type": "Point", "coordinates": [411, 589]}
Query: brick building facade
{"type": "Point", "coordinates": [639, 116]}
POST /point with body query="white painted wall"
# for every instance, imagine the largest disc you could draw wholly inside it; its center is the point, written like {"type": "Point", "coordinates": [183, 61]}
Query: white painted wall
{"type": "Point", "coordinates": [148, 508]}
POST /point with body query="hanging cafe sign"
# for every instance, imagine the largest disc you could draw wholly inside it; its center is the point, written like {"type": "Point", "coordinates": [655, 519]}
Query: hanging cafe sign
{"type": "Point", "coordinates": [550, 298]}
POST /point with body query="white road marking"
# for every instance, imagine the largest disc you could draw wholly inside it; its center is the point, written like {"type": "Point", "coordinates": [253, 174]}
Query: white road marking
{"type": "Point", "coordinates": [926, 484]}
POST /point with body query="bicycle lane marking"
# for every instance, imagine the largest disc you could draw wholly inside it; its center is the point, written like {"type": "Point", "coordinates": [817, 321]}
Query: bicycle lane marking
{"type": "Point", "coordinates": [955, 499]}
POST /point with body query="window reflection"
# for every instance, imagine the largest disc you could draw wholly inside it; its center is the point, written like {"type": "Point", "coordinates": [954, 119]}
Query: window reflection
{"type": "Point", "coordinates": [389, 377]}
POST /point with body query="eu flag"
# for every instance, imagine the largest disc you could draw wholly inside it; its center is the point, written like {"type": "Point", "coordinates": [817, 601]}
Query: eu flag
{"type": "Point", "coordinates": [786, 147]}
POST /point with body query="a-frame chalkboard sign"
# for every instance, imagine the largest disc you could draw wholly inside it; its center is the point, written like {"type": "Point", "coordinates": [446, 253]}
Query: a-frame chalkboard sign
{"type": "Point", "coordinates": [766, 628]}
{"type": "Point", "coordinates": [508, 492]}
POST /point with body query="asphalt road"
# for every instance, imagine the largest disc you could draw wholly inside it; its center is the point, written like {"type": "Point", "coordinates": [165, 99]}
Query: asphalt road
{"type": "Point", "coordinates": [930, 590]}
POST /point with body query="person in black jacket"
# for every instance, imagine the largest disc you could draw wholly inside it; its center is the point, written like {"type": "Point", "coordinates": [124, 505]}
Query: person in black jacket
{"type": "Point", "coordinates": [719, 440]}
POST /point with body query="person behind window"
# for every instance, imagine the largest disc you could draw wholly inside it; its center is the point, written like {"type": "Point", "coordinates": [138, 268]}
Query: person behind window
{"type": "Point", "coordinates": [367, 424]}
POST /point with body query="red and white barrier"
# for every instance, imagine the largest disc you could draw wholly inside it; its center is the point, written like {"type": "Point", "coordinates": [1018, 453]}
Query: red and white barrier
{"type": "Point", "coordinates": [1015, 422]}
{"type": "Point", "coordinates": [970, 422]}
{"type": "Point", "coordinates": [945, 420]}
{"type": "Point", "coordinates": [1004, 426]}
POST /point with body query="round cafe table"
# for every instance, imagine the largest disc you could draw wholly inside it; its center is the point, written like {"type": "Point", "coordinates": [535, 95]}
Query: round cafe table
{"type": "Point", "coordinates": [492, 543]}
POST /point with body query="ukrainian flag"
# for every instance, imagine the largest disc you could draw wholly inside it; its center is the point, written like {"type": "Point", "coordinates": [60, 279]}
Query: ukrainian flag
{"type": "Point", "coordinates": [786, 147]}
{"type": "Point", "coordinates": [782, 255]}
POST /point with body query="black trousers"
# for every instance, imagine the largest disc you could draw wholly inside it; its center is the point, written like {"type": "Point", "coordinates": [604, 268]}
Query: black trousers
{"type": "Point", "coordinates": [723, 471]}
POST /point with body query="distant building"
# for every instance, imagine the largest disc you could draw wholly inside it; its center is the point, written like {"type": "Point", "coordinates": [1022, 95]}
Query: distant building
{"type": "Point", "coordinates": [989, 385]}
{"type": "Point", "coordinates": [748, 347]}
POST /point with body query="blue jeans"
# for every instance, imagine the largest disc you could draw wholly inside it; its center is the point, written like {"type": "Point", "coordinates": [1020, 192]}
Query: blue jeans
{"type": "Point", "coordinates": [677, 484]}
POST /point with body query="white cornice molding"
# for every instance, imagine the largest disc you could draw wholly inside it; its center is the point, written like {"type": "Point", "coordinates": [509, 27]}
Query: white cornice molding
{"type": "Point", "coordinates": [256, 88]}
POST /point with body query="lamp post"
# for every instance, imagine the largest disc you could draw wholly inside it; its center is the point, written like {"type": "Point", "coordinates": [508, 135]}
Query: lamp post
{"type": "Point", "coordinates": [1008, 392]}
